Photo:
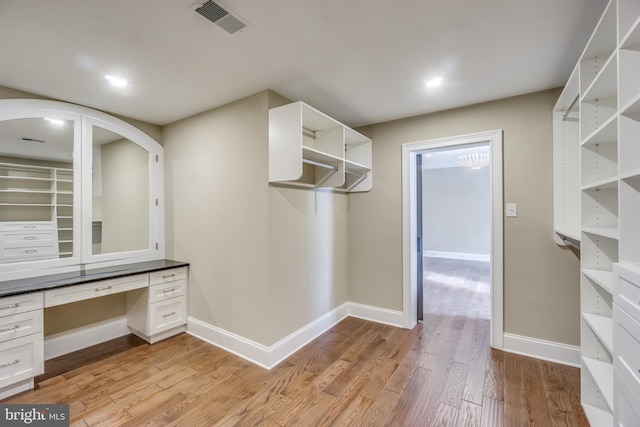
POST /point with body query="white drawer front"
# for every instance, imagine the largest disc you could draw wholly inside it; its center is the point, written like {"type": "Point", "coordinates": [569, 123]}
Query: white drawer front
{"type": "Point", "coordinates": [27, 226]}
{"type": "Point", "coordinates": [94, 289]}
{"type": "Point", "coordinates": [20, 303]}
{"type": "Point", "coordinates": [627, 291]}
{"type": "Point", "coordinates": [165, 276]}
{"type": "Point", "coordinates": [168, 290]}
{"type": "Point", "coordinates": [627, 348]}
{"type": "Point", "coordinates": [28, 239]}
{"type": "Point", "coordinates": [21, 359]}
{"type": "Point", "coordinates": [167, 314]}
{"type": "Point", "coordinates": [20, 325]}
{"type": "Point", "coordinates": [626, 410]}
{"type": "Point", "coordinates": [30, 252]}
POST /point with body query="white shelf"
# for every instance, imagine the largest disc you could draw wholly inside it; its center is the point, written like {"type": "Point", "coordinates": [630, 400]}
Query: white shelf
{"type": "Point", "coordinates": [309, 149]}
{"type": "Point", "coordinates": [610, 183]}
{"type": "Point", "coordinates": [602, 327]}
{"type": "Point", "coordinates": [603, 278]}
{"type": "Point", "coordinates": [608, 232]}
{"type": "Point", "coordinates": [596, 416]}
{"type": "Point", "coordinates": [602, 374]}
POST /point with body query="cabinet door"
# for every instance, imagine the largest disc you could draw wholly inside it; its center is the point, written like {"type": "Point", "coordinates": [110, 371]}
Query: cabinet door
{"type": "Point", "coordinates": [21, 359]}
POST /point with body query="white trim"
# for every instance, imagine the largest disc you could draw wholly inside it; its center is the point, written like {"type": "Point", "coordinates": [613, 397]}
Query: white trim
{"type": "Point", "coordinates": [269, 357]}
{"type": "Point", "coordinates": [541, 349]}
{"type": "Point", "coordinates": [84, 337]}
{"type": "Point", "coordinates": [457, 255]}
{"type": "Point", "coordinates": [409, 226]}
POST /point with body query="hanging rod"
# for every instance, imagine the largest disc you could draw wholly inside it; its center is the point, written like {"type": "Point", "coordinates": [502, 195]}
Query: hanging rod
{"type": "Point", "coordinates": [322, 165]}
{"type": "Point", "coordinates": [356, 173]}
{"type": "Point", "coordinates": [566, 113]}
{"type": "Point", "coordinates": [571, 243]}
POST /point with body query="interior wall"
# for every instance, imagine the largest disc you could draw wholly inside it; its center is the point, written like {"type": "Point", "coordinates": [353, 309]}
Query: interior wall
{"type": "Point", "coordinates": [541, 280]}
{"type": "Point", "coordinates": [68, 317]}
{"type": "Point", "coordinates": [456, 207]}
{"type": "Point", "coordinates": [265, 260]}
{"type": "Point", "coordinates": [216, 219]}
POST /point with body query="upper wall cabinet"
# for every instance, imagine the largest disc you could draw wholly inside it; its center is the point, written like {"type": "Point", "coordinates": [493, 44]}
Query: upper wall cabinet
{"type": "Point", "coordinates": [77, 187]}
{"type": "Point", "coordinates": [309, 148]}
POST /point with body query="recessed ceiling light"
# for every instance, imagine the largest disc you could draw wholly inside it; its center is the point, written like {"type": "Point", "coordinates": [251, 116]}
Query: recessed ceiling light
{"type": "Point", "coordinates": [119, 82]}
{"type": "Point", "coordinates": [434, 82]}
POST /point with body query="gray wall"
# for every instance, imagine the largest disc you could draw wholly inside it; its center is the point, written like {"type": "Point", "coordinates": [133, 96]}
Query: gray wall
{"type": "Point", "coordinates": [456, 211]}
{"type": "Point", "coordinates": [541, 280]}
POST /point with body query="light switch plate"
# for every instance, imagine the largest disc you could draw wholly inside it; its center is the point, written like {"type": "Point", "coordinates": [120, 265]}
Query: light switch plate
{"type": "Point", "coordinates": [511, 210]}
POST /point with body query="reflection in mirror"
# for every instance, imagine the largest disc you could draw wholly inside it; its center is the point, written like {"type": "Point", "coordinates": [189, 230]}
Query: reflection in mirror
{"type": "Point", "coordinates": [36, 189]}
{"type": "Point", "coordinates": [120, 204]}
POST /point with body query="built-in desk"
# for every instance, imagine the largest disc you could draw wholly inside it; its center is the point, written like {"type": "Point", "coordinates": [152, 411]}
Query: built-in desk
{"type": "Point", "coordinates": [156, 309]}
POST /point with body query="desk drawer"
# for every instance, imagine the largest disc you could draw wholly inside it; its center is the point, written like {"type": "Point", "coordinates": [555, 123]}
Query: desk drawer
{"type": "Point", "coordinates": [168, 290]}
{"type": "Point", "coordinates": [20, 303]}
{"type": "Point", "coordinates": [21, 359]}
{"type": "Point", "coordinates": [164, 276]}
{"type": "Point", "coordinates": [94, 289]}
{"type": "Point", "coordinates": [167, 314]}
{"type": "Point", "coordinates": [20, 325]}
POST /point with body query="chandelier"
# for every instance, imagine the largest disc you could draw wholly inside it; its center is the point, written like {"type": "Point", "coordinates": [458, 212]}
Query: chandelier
{"type": "Point", "coordinates": [474, 160]}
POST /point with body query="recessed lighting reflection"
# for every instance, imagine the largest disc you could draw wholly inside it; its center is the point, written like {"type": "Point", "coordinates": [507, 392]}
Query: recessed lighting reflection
{"type": "Point", "coordinates": [56, 122]}
{"type": "Point", "coordinates": [434, 82]}
{"type": "Point", "coordinates": [119, 82]}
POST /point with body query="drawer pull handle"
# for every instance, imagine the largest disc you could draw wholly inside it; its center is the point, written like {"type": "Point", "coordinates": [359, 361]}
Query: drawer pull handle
{"type": "Point", "coordinates": [14, 305]}
{"type": "Point", "coordinates": [104, 288]}
{"type": "Point", "coordinates": [170, 314]}
{"type": "Point", "coordinates": [166, 291]}
{"type": "Point", "coordinates": [13, 328]}
{"type": "Point", "coordinates": [168, 275]}
{"type": "Point", "coordinates": [30, 238]}
{"type": "Point", "coordinates": [30, 227]}
{"type": "Point", "coordinates": [31, 251]}
{"type": "Point", "coordinates": [4, 365]}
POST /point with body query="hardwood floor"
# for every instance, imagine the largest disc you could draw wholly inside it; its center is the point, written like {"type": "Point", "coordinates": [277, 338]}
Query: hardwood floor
{"type": "Point", "coordinates": [441, 373]}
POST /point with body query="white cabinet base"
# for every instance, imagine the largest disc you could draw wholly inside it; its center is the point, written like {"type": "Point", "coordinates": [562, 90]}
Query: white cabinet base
{"type": "Point", "coordinates": [19, 387]}
{"type": "Point", "coordinates": [152, 339]}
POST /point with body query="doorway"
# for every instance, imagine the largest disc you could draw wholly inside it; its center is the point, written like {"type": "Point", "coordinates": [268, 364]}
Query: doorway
{"type": "Point", "coordinates": [413, 239]}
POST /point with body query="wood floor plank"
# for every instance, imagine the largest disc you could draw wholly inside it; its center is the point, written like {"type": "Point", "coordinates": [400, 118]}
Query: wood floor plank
{"type": "Point", "coordinates": [442, 372]}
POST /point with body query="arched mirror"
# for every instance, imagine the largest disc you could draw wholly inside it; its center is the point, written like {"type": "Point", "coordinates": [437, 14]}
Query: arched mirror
{"type": "Point", "coordinates": [78, 189]}
{"type": "Point", "coordinates": [120, 194]}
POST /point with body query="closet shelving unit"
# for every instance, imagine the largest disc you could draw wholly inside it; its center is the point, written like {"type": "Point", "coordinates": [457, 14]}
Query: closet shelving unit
{"type": "Point", "coordinates": [608, 91]}
{"type": "Point", "coordinates": [310, 149]}
{"type": "Point", "coordinates": [39, 201]}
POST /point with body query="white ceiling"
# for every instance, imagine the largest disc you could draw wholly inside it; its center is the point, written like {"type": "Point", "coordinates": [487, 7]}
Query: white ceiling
{"type": "Point", "coordinates": [360, 61]}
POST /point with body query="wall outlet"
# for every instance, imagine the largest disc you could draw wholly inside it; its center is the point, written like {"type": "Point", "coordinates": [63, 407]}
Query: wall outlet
{"type": "Point", "coordinates": [511, 210]}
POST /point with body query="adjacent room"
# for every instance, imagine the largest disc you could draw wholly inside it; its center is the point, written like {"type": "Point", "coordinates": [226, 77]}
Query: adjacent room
{"type": "Point", "coordinates": [332, 213]}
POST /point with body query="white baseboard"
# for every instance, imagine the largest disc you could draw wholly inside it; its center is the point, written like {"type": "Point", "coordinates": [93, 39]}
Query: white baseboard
{"type": "Point", "coordinates": [457, 255]}
{"type": "Point", "coordinates": [270, 356]}
{"type": "Point", "coordinates": [77, 339]}
{"type": "Point", "coordinates": [541, 349]}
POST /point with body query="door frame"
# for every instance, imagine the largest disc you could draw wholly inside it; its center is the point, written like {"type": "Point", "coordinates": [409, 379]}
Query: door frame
{"type": "Point", "coordinates": [410, 221]}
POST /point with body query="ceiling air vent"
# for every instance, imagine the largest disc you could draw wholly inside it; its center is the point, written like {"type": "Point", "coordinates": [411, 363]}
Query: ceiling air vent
{"type": "Point", "coordinates": [221, 17]}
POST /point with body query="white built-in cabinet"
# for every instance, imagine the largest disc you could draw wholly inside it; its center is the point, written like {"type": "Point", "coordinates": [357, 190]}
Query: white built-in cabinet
{"type": "Point", "coordinates": [609, 175]}
{"type": "Point", "coordinates": [310, 149]}
{"type": "Point", "coordinates": [36, 212]}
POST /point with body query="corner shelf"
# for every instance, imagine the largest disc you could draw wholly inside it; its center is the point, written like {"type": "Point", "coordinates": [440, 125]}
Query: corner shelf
{"type": "Point", "coordinates": [309, 149]}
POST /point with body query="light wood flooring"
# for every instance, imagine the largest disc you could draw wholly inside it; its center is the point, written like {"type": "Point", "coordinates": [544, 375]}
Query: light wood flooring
{"type": "Point", "coordinates": [441, 373]}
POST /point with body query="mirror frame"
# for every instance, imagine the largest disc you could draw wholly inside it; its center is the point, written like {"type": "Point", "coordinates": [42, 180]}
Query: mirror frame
{"type": "Point", "coordinates": [84, 119]}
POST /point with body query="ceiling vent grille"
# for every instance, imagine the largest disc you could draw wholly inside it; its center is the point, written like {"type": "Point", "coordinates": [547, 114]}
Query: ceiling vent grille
{"type": "Point", "coordinates": [221, 17]}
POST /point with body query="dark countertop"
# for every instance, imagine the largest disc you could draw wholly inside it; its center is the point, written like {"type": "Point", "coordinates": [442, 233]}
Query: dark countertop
{"type": "Point", "coordinates": [52, 281]}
